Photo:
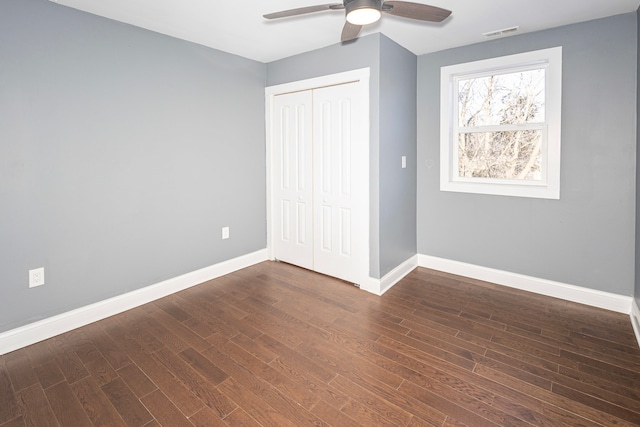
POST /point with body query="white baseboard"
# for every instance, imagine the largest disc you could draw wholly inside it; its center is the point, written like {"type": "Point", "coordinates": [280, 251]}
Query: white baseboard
{"type": "Point", "coordinates": [56, 325]}
{"type": "Point", "coordinates": [635, 319]}
{"type": "Point", "coordinates": [594, 298]}
{"type": "Point", "coordinates": [380, 286]}
{"type": "Point", "coordinates": [395, 275]}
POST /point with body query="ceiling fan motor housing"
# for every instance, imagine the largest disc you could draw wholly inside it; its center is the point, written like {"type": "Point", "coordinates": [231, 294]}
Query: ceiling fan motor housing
{"type": "Point", "coordinates": [363, 12]}
{"type": "Point", "coordinates": [351, 5]}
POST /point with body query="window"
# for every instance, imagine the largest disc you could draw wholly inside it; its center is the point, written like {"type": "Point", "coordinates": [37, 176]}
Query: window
{"type": "Point", "coordinates": [500, 125]}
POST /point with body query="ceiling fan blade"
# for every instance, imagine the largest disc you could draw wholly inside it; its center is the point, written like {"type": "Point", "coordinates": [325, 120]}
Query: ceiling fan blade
{"type": "Point", "coordinates": [304, 10]}
{"type": "Point", "coordinates": [350, 31]}
{"type": "Point", "coordinates": [419, 11]}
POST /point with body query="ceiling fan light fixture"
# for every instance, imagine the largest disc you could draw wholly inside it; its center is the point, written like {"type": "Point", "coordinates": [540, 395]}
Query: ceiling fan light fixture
{"type": "Point", "coordinates": [363, 16]}
{"type": "Point", "coordinates": [363, 12]}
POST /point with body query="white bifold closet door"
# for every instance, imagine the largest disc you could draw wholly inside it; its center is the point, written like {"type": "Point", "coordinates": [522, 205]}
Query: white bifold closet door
{"type": "Point", "coordinates": [293, 178]}
{"type": "Point", "coordinates": [319, 182]}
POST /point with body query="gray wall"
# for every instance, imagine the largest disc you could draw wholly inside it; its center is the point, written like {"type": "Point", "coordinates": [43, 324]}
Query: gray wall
{"type": "Point", "coordinates": [122, 154]}
{"type": "Point", "coordinates": [587, 237]}
{"type": "Point", "coordinates": [361, 53]}
{"type": "Point", "coordinates": [637, 252]}
{"type": "Point", "coordinates": [398, 80]}
{"type": "Point", "coordinates": [392, 135]}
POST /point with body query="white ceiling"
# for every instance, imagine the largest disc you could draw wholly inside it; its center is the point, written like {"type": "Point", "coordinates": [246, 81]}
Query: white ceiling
{"type": "Point", "coordinates": [237, 26]}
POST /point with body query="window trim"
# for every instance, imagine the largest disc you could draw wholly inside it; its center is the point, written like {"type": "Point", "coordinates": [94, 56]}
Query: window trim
{"type": "Point", "coordinates": [549, 186]}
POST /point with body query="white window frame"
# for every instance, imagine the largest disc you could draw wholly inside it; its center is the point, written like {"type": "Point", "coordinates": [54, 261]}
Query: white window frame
{"type": "Point", "coordinates": [549, 186]}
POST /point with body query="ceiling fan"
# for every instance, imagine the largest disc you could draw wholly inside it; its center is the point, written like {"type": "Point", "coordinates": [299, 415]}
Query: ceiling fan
{"type": "Point", "coordinates": [363, 12]}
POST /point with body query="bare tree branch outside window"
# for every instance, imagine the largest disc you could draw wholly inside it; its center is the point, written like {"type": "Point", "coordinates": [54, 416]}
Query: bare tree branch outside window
{"type": "Point", "coordinates": [500, 125]}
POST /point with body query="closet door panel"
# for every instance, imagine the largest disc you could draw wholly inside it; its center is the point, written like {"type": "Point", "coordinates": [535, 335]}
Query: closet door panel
{"type": "Point", "coordinates": [335, 134]}
{"type": "Point", "coordinates": [293, 177]}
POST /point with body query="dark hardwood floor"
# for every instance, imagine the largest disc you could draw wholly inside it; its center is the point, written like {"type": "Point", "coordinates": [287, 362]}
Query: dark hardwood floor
{"type": "Point", "coordinates": [276, 345]}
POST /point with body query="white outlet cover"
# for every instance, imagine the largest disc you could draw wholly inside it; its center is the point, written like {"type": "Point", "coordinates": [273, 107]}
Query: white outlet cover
{"type": "Point", "coordinates": [36, 277]}
{"type": "Point", "coordinates": [225, 232]}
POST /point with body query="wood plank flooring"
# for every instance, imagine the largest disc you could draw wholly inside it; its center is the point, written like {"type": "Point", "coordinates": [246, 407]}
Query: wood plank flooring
{"type": "Point", "coordinates": [276, 345]}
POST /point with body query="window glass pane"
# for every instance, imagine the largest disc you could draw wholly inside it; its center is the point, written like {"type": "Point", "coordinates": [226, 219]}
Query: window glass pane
{"type": "Point", "coordinates": [500, 155]}
{"type": "Point", "coordinates": [502, 99]}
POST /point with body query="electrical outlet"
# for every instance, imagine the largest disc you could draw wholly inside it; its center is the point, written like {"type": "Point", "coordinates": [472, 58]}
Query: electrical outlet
{"type": "Point", "coordinates": [404, 162]}
{"type": "Point", "coordinates": [36, 277]}
{"type": "Point", "coordinates": [225, 232]}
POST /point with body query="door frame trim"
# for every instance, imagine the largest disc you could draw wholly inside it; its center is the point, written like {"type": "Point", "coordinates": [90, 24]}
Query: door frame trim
{"type": "Point", "coordinates": [360, 76]}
